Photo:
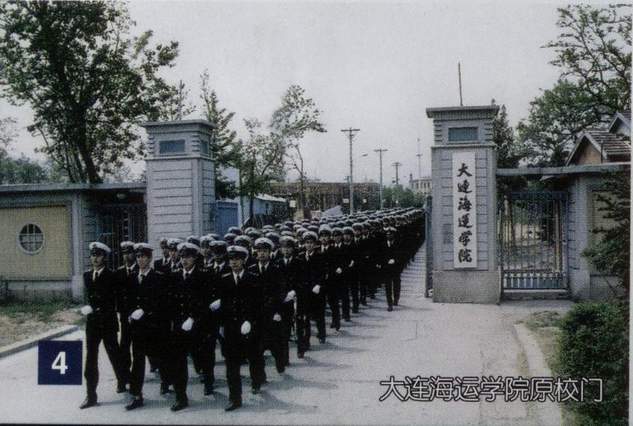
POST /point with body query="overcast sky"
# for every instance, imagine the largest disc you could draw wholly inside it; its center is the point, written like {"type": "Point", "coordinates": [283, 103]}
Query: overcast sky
{"type": "Point", "coordinates": [372, 65]}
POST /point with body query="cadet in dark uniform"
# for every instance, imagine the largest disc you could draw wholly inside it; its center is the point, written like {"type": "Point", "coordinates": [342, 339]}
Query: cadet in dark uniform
{"type": "Point", "coordinates": [274, 291]}
{"type": "Point", "coordinates": [311, 300]}
{"type": "Point", "coordinates": [186, 306]}
{"type": "Point", "coordinates": [290, 266]}
{"type": "Point", "coordinates": [240, 304]}
{"type": "Point", "coordinates": [391, 268]}
{"type": "Point", "coordinates": [124, 276]}
{"type": "Point", "coordinates": [100, 294]}
{"type": "Point", "coordinates": [145, 302]}
{"type": "Point", "coordinates": [163, 264]}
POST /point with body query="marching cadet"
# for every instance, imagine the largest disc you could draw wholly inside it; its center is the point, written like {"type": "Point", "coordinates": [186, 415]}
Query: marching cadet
{"type": "Point", "coordinates": [145, 302]}
{"type": "Point", "coordinates": [274, 291]}
{"type": "Point", "coordinates": [174, 255]}
{"type": "Point", "coordinates": [274, 237]}
{"type": "Point", "coordinates": [361, 257]}
{"type": "Point", "coordinates": [313, 291]}
{"type": "Point", "coordinates": [124, 276]}
{"type": "Point", "coordinates": [229, 237]}
{"type": "Point", "coordinates": [101, 323]}
{"type": "Point", "coordinates": [240, 303]}
{"type": "Point", "coordinates": [246, 242]}
{"type": "Point", "coordinates": [337, 261]}
{"type": "Point", "coordinates": [290, 266]}
{"type": "Point", "coordinates": [391, 269]}
{"type": "Point", "coordinates": [163, 264]}
{"type": "Point", "coordinates": [186, 299]}
{"type": "Point", "coordinates": [350, 276]}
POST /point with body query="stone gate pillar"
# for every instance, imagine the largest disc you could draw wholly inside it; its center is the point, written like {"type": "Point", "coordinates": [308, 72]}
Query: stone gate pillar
{"type": "Point", "coordinates": [464, 205]}
{"type": "Point", "coordinates": [180, 179]}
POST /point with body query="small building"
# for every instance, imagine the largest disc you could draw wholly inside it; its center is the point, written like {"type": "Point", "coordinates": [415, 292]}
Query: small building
{"type": "Point", "coordinates": [604, 145]}
{"type": "Point", "coordinates": [321, 196]}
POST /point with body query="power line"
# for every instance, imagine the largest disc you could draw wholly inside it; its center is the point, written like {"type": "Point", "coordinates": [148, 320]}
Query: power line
{"type": "Point", "coordinates": [350, 133]}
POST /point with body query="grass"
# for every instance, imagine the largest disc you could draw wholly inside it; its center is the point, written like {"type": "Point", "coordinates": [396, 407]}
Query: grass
{"type": "Point", "coordinates": [38, 310]}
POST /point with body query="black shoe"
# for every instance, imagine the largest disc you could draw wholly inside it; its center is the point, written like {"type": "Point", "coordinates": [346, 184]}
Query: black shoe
{"type": "Point", "coordinates": [179, 405]}
{"type": "Point", "coordinates": [208, 388]}
{"type": "Point", "coordinates": [300, 355]}
{"type": "Point", "coordinates": [390, 308]}
{"type": "Point", "coordinates": [348, 319]}
{"type": "Point", "coordinates": [164, 389]}
{"type": "Point", "coordinates": [354, 311]}
{"type": "Point", "coordinates": [322, 340]}
{"type": "Point", "coordinates": [120, 387]}
{"type": "Point", "coordinates": [136, 403]}
{"type": "Point", "coordinates": [281, 369]}
{"type": "Point", "coordinates": [332, 326]}
{"type": "Point", "coordinates": [256, 390]}
{"type": "Point", "coordinates": [88, 402]}
{"type": "Point", "coordinates": [234, 405]}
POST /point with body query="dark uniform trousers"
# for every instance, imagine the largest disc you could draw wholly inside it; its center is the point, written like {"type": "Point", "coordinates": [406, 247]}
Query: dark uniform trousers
{"type": "Point", "coordinates": [101, 325]}
{"type": "Point", "coordinates": [241, 301]}
{"type": "Point", "coordinates": [311, 306]}
{"type": "Point", "coordinates": [124, 276]}
{"type": "Point", "coordinates": [290, 270]}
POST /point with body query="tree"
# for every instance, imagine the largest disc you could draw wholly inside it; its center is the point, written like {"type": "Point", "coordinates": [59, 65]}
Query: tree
{"type": "Point", "coordinates": [611, 254]}
{"type": "Point", "coordinates": [296, 116]}
{"type": "Point", "coordinates": [174, 103]}
{"type": "Point", "coordinates": [88, 83]}
{"type": "Point", "coordinates": [225, 147]}
{"type": "Point", "coordinates": [260, 163]}
{"type": "Point", "coordinates": [593, 53]}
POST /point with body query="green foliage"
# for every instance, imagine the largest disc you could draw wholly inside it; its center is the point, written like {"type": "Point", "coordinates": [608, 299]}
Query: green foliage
{"type": "Point", "coordinates": [86, 80]}
{"type": "Point", "coordinates": [225, 147]}
{"type": "Point", "coordinates": [594, 343]}
{"type": "Point", "coordinates": [611, 254]}
{"type": "Point", "coordinates": [397, 196]}
{"type": "Point", "coordinates": [593, 53]}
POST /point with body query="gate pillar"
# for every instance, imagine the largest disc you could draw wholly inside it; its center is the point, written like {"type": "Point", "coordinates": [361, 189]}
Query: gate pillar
{"type": "Point", "coordinates": [464, 165]}
{"type": "Point", "coordinates": [180, 179]}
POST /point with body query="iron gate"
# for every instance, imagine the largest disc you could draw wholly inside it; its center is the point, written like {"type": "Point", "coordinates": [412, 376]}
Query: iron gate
{"type": "Point", "coordinates": [118, 223]}
{"type": "Point", "coordinates": [532, 232]}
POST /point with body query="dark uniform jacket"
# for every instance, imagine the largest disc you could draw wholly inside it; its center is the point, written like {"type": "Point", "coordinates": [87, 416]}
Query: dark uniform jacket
{"type": "Point", "coordinates": [101, 295]}
{"type": "Point", "coordinates": [148, 295]}
{"type": "Point", "coordinates": [273, 289]}
{"type": "Point", "coordinates": [162, 265]}
{"type": "Point", "coordinates": [291, 270]}
{"type": "Point", "coordinates": [314, 272]}
{"type": "Point", "coordinates": [125, 277]}
{"type": "Point", "coordinates": [186, 299]}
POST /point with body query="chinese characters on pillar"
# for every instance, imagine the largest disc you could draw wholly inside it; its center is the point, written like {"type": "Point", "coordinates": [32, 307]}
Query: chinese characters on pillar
{"type": "Point", "coordinates": [464, 210]}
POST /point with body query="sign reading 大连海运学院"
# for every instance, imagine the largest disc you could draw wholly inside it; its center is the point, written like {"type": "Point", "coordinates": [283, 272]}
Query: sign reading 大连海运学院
{"type": "Point", "coordinates": [464, 210]}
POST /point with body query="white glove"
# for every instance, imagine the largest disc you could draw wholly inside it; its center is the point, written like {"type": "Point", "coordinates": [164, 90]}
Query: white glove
{"type": "Point", "coordinates": [391, 261]}
{"type": "Point", "coordinates": [215, 305]}
{"type": "Point", "coordinates": [339, 270]}
{"type": "Point", "coordinates": [188, 324]}
{"type": "Point", "coordinates": [277, 317]}
{"type": "Point", "coordinates": [246, 328]}
{"type": "Point", "coordinates": [137, 314]}
{"type": "Point", "coordinates": [378, 266]}
{"type": "Point", "coordinates": [86, 310]}
{"type": "Point", "coordinates": [291, 295]}
{"type": "Point", "coordinates": [221, 331]}
{"type": "Point", "coordinates": [351, 264]}
{"type": "Point", "coordinates": [316, 289]}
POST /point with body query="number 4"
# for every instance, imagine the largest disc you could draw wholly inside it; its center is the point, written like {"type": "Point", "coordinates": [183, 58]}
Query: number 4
{"type": "Point", "coordinates": [60, 363]}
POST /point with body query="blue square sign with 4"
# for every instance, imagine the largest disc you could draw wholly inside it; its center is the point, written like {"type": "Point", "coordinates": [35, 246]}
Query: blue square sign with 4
{"type": "Point", "coordinates": [59, 362]}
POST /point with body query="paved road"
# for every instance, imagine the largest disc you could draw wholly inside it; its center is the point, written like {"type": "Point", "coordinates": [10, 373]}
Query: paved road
{"type": "Point", "coordinates": [337, 382]}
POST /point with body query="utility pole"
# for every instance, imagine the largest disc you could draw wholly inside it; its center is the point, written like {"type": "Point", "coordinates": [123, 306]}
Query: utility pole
{"type": "Point", "coordinates": [380, 151]}
{"type": "Point", "coordinates": [459, 75]}
{"type": "Point", "coordinates": [396, 165]}
{"type": "Point", "coordinates": [350, 133]}
{"type": "Point", "coordinates": [419, 155]}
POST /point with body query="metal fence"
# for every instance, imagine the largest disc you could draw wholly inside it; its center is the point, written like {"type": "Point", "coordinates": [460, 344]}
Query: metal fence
{"type": "Point", "coordinates": [118, 223]}
{"type": "Point", "coordinates": [532, 233]}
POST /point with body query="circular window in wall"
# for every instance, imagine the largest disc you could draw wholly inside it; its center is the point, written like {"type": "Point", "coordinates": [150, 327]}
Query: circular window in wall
{"type": "Point", "coordinates": [31, 238]}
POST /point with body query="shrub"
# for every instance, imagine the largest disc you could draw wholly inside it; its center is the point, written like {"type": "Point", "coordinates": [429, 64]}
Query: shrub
{"type": "Point", "coordinates": [594, 343]}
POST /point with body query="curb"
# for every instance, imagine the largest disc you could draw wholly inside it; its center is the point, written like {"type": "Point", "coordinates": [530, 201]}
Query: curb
{"type": "Point", "coordinates": [29, 343]}
{"type": "Point", "coordinates": [537, 367]}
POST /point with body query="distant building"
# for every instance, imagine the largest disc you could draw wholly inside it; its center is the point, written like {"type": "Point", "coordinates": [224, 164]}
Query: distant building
{"type": "Point", "coordinates": [321, 196]}
{"type": "Point", "coordinates": [421, 185]}
{"type": "Point", "coordinates": [599, 145]}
